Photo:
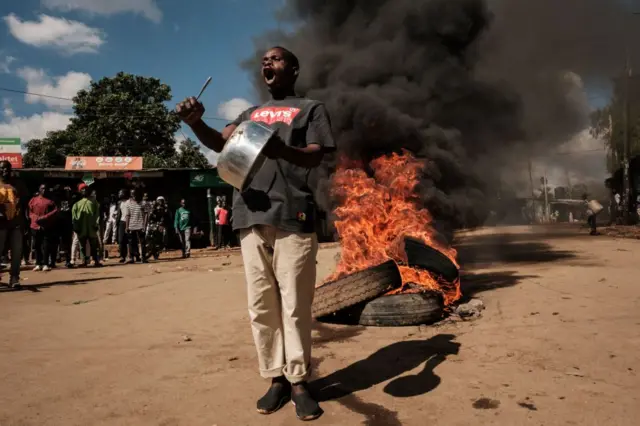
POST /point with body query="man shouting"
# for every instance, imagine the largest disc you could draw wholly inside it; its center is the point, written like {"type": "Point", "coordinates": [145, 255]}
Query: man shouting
{"type": "Point", "coordinates": [275, 217]}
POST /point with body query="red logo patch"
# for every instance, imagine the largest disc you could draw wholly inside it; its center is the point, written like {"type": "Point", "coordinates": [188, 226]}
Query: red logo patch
{"type": "Point", "coordinates": [271, 115]}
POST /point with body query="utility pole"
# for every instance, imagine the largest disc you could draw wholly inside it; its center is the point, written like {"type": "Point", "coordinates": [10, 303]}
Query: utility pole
{"type": "Point", "coordinates": [533, 194]}
{"type": "Point", "coordinates": [612, 142]}
{"type": "Point", "coordinates": [626, 184]}
{"type": "Point", "coordinates": [546, 196]}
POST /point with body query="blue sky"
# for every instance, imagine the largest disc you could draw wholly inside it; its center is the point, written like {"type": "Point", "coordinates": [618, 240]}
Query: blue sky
{"type": "Point", "coordinates": [56, 47]}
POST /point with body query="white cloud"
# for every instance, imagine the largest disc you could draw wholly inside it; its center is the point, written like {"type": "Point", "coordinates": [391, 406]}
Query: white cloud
{"type": "Point", "coordinates": [211, 155]}
{"type": "Point", "coordinates": [7, 111]}
{"type": "Point", "coordinates": [179, 138]}
{"type": "Point", "coordinates": [5, 62]}
{"type": "Point", "coordinates": [232, 108]}
{"type": "Point", "coordinates": [66, 86]}
{"type": "Point", "coordinates": [67, 36]}
{"type": "Point", "coordinates": [33, 127]}
{"type": "Point", "coordinates": [147, 8]}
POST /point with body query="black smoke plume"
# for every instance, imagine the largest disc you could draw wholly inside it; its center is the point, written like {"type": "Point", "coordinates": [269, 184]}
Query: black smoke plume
{"type": "Point", "coordinates": [473, 86]}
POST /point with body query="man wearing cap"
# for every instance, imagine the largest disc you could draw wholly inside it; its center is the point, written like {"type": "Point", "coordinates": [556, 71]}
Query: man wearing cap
{"type": "Point", "coordinates": [85, 214]}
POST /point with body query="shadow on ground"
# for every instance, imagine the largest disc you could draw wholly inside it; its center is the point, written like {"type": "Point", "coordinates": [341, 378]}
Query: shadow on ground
{"type": "Point", "coordinates": [472, 284]}
{"type": "Point", "coordinates": [35, 288]}
{"type": "Point", "coordinates": [491, 249]}
{"type": "Point", "coordinates": [385, 364]}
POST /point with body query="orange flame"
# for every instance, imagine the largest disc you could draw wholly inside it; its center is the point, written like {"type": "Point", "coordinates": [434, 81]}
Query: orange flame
{"type": "Point", "coordinates": [377, 213]}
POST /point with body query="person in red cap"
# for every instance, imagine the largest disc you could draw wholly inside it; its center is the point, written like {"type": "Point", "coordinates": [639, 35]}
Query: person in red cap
{"type": "Point", "coordinates": [85, 214]}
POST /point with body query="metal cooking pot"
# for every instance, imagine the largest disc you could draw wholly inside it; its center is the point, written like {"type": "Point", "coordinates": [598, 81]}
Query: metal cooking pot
{"type": "Point", "coordinates": [241, 158]}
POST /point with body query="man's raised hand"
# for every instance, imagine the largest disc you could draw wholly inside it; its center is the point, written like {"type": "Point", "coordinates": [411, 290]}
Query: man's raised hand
{"type": "Point", "coordinates": [190, 110]}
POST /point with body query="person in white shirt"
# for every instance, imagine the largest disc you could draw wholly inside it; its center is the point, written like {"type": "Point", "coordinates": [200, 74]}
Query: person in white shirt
{"type": "Point", "coordinates": [111, 224]}
{"type": "Point", "coordinates": [592, 209]}
{"type": "Point", "coordinates": [123, 238]}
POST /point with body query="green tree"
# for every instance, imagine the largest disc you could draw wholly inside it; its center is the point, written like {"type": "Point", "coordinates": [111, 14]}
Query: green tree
{"type": "Point", "coordinates": [50, 151]}
{"type": "Point", "coordinates": [116, 116]}
{"type": "Point", "coordinates": [190, 156]}
{"type": "Point", "coordinates": [124, 115]}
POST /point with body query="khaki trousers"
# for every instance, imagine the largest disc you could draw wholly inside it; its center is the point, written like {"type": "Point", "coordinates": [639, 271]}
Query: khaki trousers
{"type": "Point", "coordinates": [280, 267]}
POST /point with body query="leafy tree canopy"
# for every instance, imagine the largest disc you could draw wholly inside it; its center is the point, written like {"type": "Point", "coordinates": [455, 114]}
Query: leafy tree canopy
{"type": "Point", "coordinates": [189, 155]}
{"type": "Point", "coordinates": [117, 116]}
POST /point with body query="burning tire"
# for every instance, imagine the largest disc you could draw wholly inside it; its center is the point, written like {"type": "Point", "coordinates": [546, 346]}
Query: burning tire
{"type": "Point", "coordinates": [425, 257]}
{"type": "Point", "coordinates": [396, 310]}
{"type": "Point", "coordinates": [356, 288]}
{"type": "Point", "coordinates": [402, 310]}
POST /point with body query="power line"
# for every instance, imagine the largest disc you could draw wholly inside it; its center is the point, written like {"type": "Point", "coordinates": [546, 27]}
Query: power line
{"type": "Point", "coordinates": [218, 118]}
{"type": "Point", "coordinates": [22, 92]}
{"type": "Point", "coordinates": [4, 89]}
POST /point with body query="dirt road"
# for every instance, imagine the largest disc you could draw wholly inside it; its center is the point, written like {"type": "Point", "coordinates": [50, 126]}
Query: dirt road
{"type": "Point", "coordinates": [169, 344]}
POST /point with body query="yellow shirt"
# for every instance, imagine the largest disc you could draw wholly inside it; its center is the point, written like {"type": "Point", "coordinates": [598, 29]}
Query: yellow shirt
{"type": "Point", "coordinates": [9, 199]}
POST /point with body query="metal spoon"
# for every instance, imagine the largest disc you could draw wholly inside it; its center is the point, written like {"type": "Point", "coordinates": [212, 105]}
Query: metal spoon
{"type": "Point", "coordinates": [206, 83]}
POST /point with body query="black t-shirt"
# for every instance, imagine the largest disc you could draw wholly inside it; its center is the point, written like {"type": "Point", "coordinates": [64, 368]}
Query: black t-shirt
{"type": "Point", "coordinates": [282, 194]}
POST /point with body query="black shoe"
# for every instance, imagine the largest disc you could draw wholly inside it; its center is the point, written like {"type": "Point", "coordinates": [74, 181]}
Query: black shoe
{"type": "Point", "coordinates": [122, 260]}
{"type": "Point", "coordinates": [69, 265]}
{"type": "Point", "coordinates": [307, 408]}
{"type": "Point", "coordinates": [276, 397]}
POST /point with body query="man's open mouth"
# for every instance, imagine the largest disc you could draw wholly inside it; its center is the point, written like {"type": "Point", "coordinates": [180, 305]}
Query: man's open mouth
{"type": "Point", "coordinates": [269, 75]}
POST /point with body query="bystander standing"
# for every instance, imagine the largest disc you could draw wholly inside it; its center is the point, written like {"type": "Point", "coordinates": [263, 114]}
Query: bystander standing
{"type": "Point", "coordinates": [135, 224]}
{"type": "Point", "coordinates": [182, 225]}
{"type": "Point", "coordinates": [85, 214]}
{"type": "Point", "coordinates": [42, 215]}
{"type": "Point", "coordinates": [13, 205]}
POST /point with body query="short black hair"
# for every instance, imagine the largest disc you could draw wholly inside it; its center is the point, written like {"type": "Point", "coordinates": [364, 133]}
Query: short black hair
{"type": "Point", "coordinates": [288, 56]}
{"type": "Point", "coordinates": [7, 164]}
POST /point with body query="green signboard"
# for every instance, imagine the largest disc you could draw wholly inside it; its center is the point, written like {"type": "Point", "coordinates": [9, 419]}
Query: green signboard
{"type": "Point", "coordinates": [207, 179]}
{"type": "Point", "coordinates": [9, 141]}
{"type": "Point", "coordinates": [88, 179]}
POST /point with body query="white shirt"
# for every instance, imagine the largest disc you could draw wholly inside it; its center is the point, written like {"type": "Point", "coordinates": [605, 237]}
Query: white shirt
{"type": "Point", "coordinates": [113, 212]}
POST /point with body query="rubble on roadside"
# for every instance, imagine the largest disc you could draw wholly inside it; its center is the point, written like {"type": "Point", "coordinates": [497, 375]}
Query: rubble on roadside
{"type": "Point", "coordinates": [621, 231]}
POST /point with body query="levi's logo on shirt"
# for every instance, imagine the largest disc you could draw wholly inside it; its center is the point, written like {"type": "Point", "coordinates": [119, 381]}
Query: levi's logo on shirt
{"type": "Point", "coordinates": [271, 115]}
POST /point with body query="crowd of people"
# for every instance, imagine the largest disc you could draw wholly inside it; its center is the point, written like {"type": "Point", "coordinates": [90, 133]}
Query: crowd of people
{"type": "Point", "coordinates": [69, 225]}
